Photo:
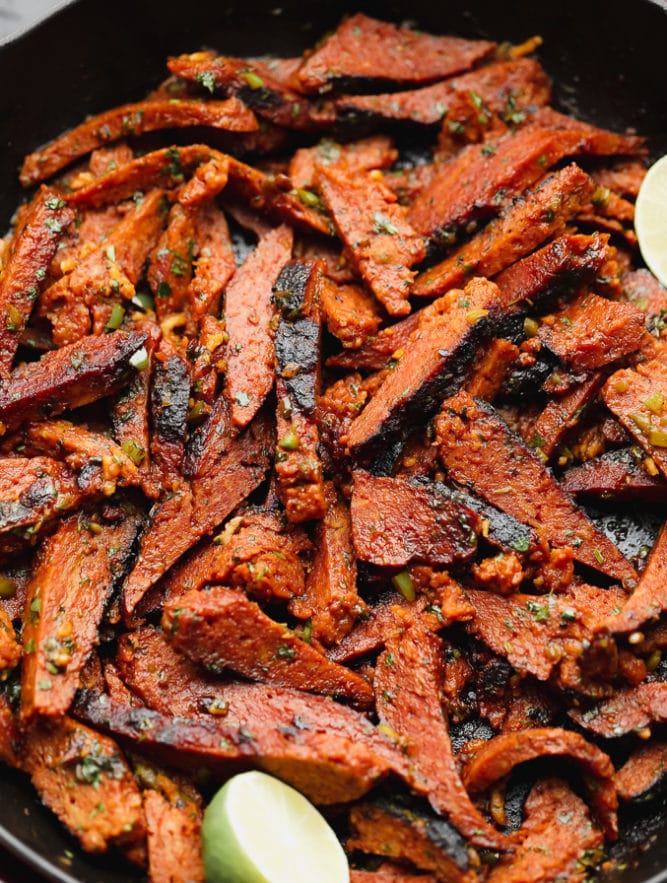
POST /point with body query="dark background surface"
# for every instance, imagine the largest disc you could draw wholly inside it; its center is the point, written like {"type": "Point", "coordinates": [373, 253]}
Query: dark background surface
{"type": "Point", "coordinates": [606, 56]}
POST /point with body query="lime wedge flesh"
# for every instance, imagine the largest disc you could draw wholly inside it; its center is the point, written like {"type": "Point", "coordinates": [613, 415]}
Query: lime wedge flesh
{"type": "Point", "coordinates": [651, 219]}
{"type": "Point", "coordinates": [259, 830]}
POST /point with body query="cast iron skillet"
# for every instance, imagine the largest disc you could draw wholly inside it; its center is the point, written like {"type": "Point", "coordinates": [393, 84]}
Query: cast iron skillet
{"type": "Point", "coordinates": [607, 63]}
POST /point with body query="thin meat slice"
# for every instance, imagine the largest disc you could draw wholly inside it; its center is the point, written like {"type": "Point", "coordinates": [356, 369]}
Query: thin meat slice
{"type": "Point", "coordinates": [642, 776]}
{"type": "Point", "coordinates": [491, 368]}
{"type": "Point", "coordinates": [169, 402]}
{"type": "Point", "coordinates": [406, 830]}
{"type": "Point", "coordinates": [31, 250]}
{"type": "Point", "coordinates": [630, 709]}
{"type": "Point", "coordinates": [134, 119]}
{"type": "Point", "coordinates": [298, 344]}
{"type": "Point", "coordinates": [173, 837]}
{"type": "Point", "coordinates": [170, 267]}
{"type": "Point", "coordinates": [558, 267]}
{"type": "Point", "coordinates": [496, 758]}
{"type": "Point", "coordinates": [592, 332]}
{"type": "Point", "coordinates": [208, 181]}
{"type": "Point", "coordinates": [374, 152]}
{"type": "Point", "coordinates": [479, 450]}
{"type": "Point", "coordinates": [337, 757]}
{"type": "Point", "coordinates": [378, 238]}
{"type": "Point", "coordinates": [408, 679]}
{"type": "Point", "coordinates": [256, 88]}
{"type": "Point", "coordinates": [69, 377]}
{"type": "Point", "coordinates": [249, 312]}
{"type": "Point", "coordinates": [10, 649]}
{"type": "Point", "coordinates": [560, 415]}
{"type": "Point", "coordinates": [436, 359]}
{"type": "Point", "coordinates": [330, 597]}
{"type": "Point", "coordinates": [84, 779]}
{"type": "Point", "coordinates": [501, 87]}
{"type": "Point", "coordinates": [615, 475]}
{"type": "Point", "coordinates": [623, 176]}
{"type": "Point", "coordinates": [75, 575]}
{"type": "Point", "coordinates": [381, 349]}
{"type": "Point", "coordinates": [352, 314]}
{"type": "Point", "coordinates": [604, 142]}
{"type": "Point", "coordinates": [525, 224]}
{"type": "Point", "coordinates": [229, 471]}
{"type": "Point", "coordinates": [214, 263]}
{"type": "Point", "coordinates": [639, 399]}
{"type": "Point", "coordinates": [221, 628]}
{"type": "Point", "coordinates": [555, 842]}
{"type": "Point", "coordinates": [649, 599]}
{"type": "Point", "coordinates": [398, 521]}
{"type": "Point", "coordinates": [165, 168]}
{"type": "Point", "coordinates": [366, 52]}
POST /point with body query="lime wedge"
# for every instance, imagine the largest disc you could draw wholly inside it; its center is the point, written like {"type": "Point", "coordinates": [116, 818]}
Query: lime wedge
{"type": "Point", "coordinates": [259, 830]}
{"type": "Point", "coordinates": [651, 219]}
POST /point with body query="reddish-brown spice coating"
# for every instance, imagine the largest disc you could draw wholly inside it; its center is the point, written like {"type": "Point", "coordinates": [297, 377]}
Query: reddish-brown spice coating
{"type": "Point", "coordinates": [170, 267]}
{"type": "Point", "coordinates": [249, 311]}
{"type": "Point", "coordinates": [363, 48]}
{"type": "Point", "coordinates": [373, 227]}
{"type": "Point", "coordinates": [642, 772]}
{"type": "Point", "coordinates": [374, 152]}
{"type": "Point", "coordinates": [351, 313]}
{"type": "Point", "coordinates": [525, 224]}
{"type": "Point", "coordinates": [214, 263]}
{"type": "Point", "coordinates": [134, 119]}
{"type": "Point", "coordinates": [560, 415]}
{"type": "Point", "coordinates": [615, 475]}
{"type": "Point", "coordinates": [478, 449]}
{"type": "Point", "coordinates": [222, 629]}
{"type": "Point", "coordinates": [630, 709]}
{"type": "Point", "coordinates": [173, 837]}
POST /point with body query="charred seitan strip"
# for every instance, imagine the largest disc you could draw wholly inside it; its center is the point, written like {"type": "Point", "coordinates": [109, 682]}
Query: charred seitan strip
{"type": "Point", "coordinates": [639, 398]}
{"type": "Point", "coordinates": [479, 450]}
{"type": "Point", "coordinates": [297, 347]}
{"type": "Point", "coordinates": [551, 845]}
{"type": "Point", "coordinates": [408, 679]}
{"type": "Point", "coordinates": [222, 629]}
{"type": "Point", "coordinates": [497, 87]}
{"type": "Point", "coordinates": [170, 269]}
{"type": "Point", "coordinates": [331, 599]}
{"type": "Point", "coordinates": [337, 757]}
{"type": "Point", "coordinates": [134, 119]}
{"type": "Point", "coordinates": [351, 313]}
{"type": "Point", "coordinates": [630, 709]}
{"type": "Point", "coordinates": [249, 312]}
{"type": "Point", "coordinates": [31, 250]}
{"type": "Point", "coordinates": [649, 599]}
{"type": "Point", "coordinates": [406, 830]}
{"type": "Point", "coordinates": [70, 377]}
{"type": "Point", "coordinates": [438, 356]}
{"type": "Point", "coordinates": [366, 52]}
{"type": "Point", "coordinates": [398, 521]}
{"type": "Point", "coordinates": [73, 580]}
{"type": "Point", "coordinates": [496, 758]}
{"type": "Point", "coordinates": [525, 224]}
{"type": "Point", "coordinates": [224, 480]}
{"type": "Point", "coordinates": [65, 757]}
{"type": "Point", "coordinates": [169, 399]}
{"type": "Point", "coordinates": [615, 475]}
{"type": "Point", "coordinates": [373, 226]}
{"type": "Point", "coordinates": [561, 414]}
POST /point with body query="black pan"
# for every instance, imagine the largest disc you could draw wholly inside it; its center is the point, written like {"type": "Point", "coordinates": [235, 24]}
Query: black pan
{"type": "Point", "coordinates": [607, 63]}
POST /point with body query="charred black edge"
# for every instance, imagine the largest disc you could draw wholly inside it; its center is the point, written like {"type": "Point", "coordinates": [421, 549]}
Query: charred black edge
{"type": "Point", "coordinates": [581, 480]}
{"type": "Point", "coordinates": [170, 394]}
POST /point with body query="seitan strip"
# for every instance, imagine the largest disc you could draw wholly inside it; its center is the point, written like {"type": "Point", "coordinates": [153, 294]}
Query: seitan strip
{"type": "Point", "coordinates": [561, 414]}
{"type": "Point", "coordinates": [10, 649]}
{"type": "Point", "coordinates": [629, 710]}
{"type": "Point", "coordinates": [382, 349]}
{"type": "Point", "coordinates": [639, 399]}
{"type": "Point", "coordinates": [642, 776]}
{"type": "Point", "coordinates": [366, 52]}
{"type": "Point", "coordinates": [170, 266]}
{"type": "Point", "coordinates": [436, 359]}
{"type": "Point", "coordinates": [374, 152]}
{"type": "Point", "coordinates": [31, 249]}
{"type": "Point", "coordinates": [169, 403]}
{"type": "Point", "coordinates": [299, 473]}
{"type": "Point", "coordinates": [208, 181]}
{"type": "Point", "coordinates": [616, 475]}
{"type": "Point", "coordinates": [495, 759]}
{"type": "Point", "coordinates": [229, 471]}
{"type": "Point", "coordinates": [134, 119]}
{"type": "Point", "coordinates": [74, 577]}
{"type": "Point", "coordinates": [551, 845]}
{"type": "Point", "coordinates": [405, 830]}
{"type": "Point", "coordinates": [214, 262]}
{"type": "Point", "coordinates": [399, 521]}
{"type": "Point", "coordinates": [592, 331]}
{"type": "Point", "coordinates": [352, 314]}
{"type": "Point", "coordinates": [649, 599]}
{"type": "Point", "coordinates": [69, 377]}
{"type": "Point", "coordinates": [501, 87]}
{"type": "Point", "coordinates": [84, 779]}
{"type": "Point", "coordinates": [523, 226]}
{"type": "Point", "coordinates": [408, 680]}
{"type": "Point", "coordinates": [173, 837]}
{"type": "Point", "coordinates": [330, 753]}
{"type": "Point", "coordinates": [220, 628]}
{"type": "Point", "coordinates": [249, 313]}
{"type": "Point", "coordinates": [479, 450]}
{"type": "Point", "coordinates": [377, 236]}
{"type": "Point", "coordinates": [330, 597]}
